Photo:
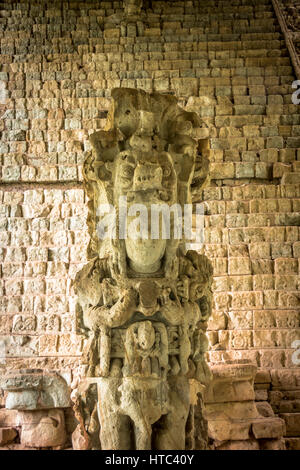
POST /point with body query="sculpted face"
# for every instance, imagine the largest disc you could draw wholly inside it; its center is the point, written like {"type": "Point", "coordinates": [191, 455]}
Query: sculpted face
{"type": "Point", "coordinates": [145, 255]}
{"type": "Point", "coordinates": [145, 335]}
{"type": "Point", "coordinates": [145, 178]}
{"type": "Point", "coordinates": [148, 155]}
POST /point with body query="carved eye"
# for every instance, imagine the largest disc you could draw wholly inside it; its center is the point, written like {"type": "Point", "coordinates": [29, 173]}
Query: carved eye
{"type": "Point", "coordinates": [127, 171]}
{"type": "Point", "coordinates": [127, 111]}
{"type": "Point", "coordinates": [164, 196]}
{"type": "Point", "coordinates": [166, 171]}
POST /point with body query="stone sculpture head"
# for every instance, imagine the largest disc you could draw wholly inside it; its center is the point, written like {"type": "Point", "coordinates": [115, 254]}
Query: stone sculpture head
{"type": "Point", "coordinates": [145, 177]}
{"type": "Point", "coordinates": [147, 155]}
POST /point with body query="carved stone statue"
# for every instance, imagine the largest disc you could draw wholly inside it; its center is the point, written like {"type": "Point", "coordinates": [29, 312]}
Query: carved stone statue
{"type": "Point", "coordinates": [143, 301]}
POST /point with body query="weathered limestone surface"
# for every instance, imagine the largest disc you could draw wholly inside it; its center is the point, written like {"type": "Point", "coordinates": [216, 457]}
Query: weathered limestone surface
{"type": "Point", "coordinates": [7, 435]}
{"type": "Point", "coordinates": [234, 419]}
{"type": "Point", "coordinates": [59, 62]}
{"type": "Point", "coordinates": [291, 13]}
{"type": "Point", "coordinates": [288, 16]}
{"type": "Point", "coordinates": [35, 390]}
{"type": "Point", "coordinates": [40, 397]}
{"type": "Point", "coordinates": [43, 428]}
{"type": "Point", "coordinates": [143, 300]}
{"type": "Point", "coordinates": [132, 7]}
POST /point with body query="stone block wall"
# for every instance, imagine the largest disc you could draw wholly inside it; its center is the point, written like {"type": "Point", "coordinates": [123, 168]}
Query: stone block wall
{"type": "Point", "coordinates": [228, 62]}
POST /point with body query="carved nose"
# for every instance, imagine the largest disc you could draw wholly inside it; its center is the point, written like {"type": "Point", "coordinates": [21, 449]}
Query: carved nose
{"type": "Point", "coordinates": [147, 177]}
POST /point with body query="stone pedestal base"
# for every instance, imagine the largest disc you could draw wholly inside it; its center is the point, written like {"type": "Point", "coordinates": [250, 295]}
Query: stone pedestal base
{"type": "Point", "coordinates": [234, 422]}
{"type": "Point", "coordinates": [141, 414]}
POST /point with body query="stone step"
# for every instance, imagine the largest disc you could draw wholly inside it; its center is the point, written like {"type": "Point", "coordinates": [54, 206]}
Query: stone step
{"type": "Point", "coordinates": [234, 49]}
{"type": "Point", "coordinates": [205, 24]}
{"type": "Point", "coordinates": [109, 4]}
{"type": "Point", "coordinates": [73, 71]}
{"type": "Point", "coordinates": [237, 95]}
{"type": "Point", "coordinates": [292, 422]}
{"type": "Point", "coordinates": [220, 85]}
{"type": "Point", "coordinates": [296, 166]}
{"type": "Point", "coordinates": [214, 41]}
{"type": "Point", "coordinates": [289, 406]}
{"type": "Point", "coordinates": [24, 46]}
{"type": "Point", "coordinates": [201, 12]}
{"type": "Point", "coordinates": [184, 36]}
{"type": "Point", "coordinates": [280, 169]}
{"type": "Point", "coordinates": [208, 76]}
{"type": "Point", "coordinates": [259, 219]}
{"type": "Point", "coordinates": [239, 79]}
{"type": "Point", "coordinates": [239, 90]}
{"type": "Point", "coordinates": [268, 251]}
{"type": "Point", "coordinates": [291, 178]}
{"type": "Point", "coordinates": [222, 59]}
{"type": "Point", "coordinates": [292, 443]}
{"type": "Point", "coordinates": [209, 108]}
{"type": "Point", "coordinates": [245, 45]}
{"type": "Point", "coordinates": [8, 418]}
{"type": "Point", "coordinates": [254, 206]}
{"type": "Point", "coordinates": [7, 435]}
{"type": "Point", "coordinates": [165, 22]}
{"type": "Point", "coordinates": [168, 60]}
{"type": "Point", "coordinates": [195, 36]}
{"type": "Point", "coordinates": [253, 191]}
{"type": "Point", "coordinates": [77, 43]}
{"type": "Point", "coordinates": [244, 120]}
{"type": "Point", "coordinates": [86, 106]}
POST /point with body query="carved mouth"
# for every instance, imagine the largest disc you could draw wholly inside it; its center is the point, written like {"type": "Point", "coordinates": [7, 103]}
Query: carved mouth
{"type": "Point", "coordinates": [152, 194]}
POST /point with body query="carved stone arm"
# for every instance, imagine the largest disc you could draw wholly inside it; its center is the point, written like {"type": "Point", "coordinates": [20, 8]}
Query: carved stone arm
{"type": "Point", "coordinates": [113, 317]}
{"type": "Point", "coordinates": [173, 312]}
